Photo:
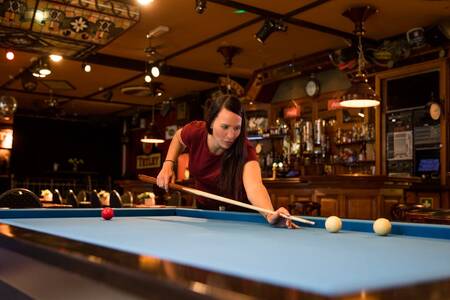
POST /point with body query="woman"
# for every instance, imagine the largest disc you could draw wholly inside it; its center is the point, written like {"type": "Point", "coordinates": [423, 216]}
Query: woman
{"type": "Point", "coordinates": [222, 161]}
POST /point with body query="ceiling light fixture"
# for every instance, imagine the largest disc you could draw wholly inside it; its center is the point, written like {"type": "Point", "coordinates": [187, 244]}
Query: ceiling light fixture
{"type": "Point", "coordinates": [155, 71]}
{"type": "Point", "coordinates": [55, 57]}
{"type": "Point", "coordinates": [152, 135]}
{"type": "Point", "coordinates": [44, 67]}
{"type": "Point", "coordinates": [360, 94]}
{"type": "Point", "coordinates": [148, 78]}
{"type": "Point", "coordinates": [144, 2]}
{"type": "Point", "coordinates": [86, 67]}
{"type": "Point", "coordinates": [10, 55]}
{"type": "Point", "coordinates": [270, 25]}
{"type": "Point", "coordinates": [200, 6]}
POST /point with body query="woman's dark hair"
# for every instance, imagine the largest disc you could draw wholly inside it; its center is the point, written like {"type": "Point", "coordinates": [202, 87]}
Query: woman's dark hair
{"type": "Point", "coordinates": [234, 158]}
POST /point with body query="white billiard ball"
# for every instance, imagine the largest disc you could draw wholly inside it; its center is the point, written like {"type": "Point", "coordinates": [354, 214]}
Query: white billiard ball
{"type": "Point", "coordinates": [382, 226]}
{"type": "Point", "coordinates": [333, 224]}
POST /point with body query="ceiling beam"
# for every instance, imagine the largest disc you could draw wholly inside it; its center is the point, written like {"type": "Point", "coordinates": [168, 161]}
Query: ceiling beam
{"type": "Point", "coordinates": [76, 98]}
{"type": "Point", "coordinates": [168, 70]}
{"type": "Point", "coordinates": [288, 17]}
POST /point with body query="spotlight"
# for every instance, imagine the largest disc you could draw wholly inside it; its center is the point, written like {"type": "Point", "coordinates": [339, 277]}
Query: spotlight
{"type": "Point", "coordinates": [200, 6]}
{"type": "Point", "coordinates": [145, 2]}
{"type": "Point", "coordinates": [148, 78]}
{"type": "Point", "coordinates": [9, 55]}
{"type": "Point", "coordinates": [155, 71]}
{"type": "Point", "coordinates": [86, 67]}
{"type": "Point", "coordinates": [55, 57]}
{"type": "Point", "coordinates": [44, 68]}
{"type": "Point", "coordinates": [269, 26]}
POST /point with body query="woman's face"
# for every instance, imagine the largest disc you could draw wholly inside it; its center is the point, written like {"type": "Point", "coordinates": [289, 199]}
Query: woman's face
{"type": "Point", "coordinates": [226, 127]}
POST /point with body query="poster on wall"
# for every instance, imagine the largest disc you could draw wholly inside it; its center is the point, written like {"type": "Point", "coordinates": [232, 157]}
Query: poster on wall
{"type": "Point", "coordinates": [148, 161]}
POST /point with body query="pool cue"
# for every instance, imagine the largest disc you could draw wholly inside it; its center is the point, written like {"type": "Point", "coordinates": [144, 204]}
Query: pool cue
{"type": "Point", "coordinates": [178, 187]}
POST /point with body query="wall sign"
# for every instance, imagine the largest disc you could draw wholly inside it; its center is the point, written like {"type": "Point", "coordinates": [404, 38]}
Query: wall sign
{"type": "Point", "coordinates": [148, 161]}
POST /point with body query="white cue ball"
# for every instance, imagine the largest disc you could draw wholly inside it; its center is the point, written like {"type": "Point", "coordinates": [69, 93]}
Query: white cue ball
{"type": "Point", "coordinates": [333, 224]}
{"type": "Point", "coordinates": [382, 226]}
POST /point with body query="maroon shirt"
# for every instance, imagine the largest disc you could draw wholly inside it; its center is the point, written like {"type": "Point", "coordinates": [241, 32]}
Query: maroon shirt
{"type": "Point", "coordinates": [204, 166]}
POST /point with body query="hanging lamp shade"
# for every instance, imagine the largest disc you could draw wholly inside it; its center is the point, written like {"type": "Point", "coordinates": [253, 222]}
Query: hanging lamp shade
{"type": "Point", "coordinates": [360, 94]}
{"type": "Point", "coordinates": [152, 136]}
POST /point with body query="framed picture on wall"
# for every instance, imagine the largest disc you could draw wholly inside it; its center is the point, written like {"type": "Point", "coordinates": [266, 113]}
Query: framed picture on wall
{"type": "Point", "coordinates": [170, 131]}
{"type": "Point", "coordinates": [148, 161]}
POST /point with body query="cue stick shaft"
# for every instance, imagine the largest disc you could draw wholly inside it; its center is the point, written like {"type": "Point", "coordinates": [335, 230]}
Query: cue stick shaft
{"type": "Point", "coordinates": [193, 191]}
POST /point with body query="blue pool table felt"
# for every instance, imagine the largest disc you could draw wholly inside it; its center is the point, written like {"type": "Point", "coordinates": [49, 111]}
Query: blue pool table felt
{"type": "Point", "coordinates": [310, 259]}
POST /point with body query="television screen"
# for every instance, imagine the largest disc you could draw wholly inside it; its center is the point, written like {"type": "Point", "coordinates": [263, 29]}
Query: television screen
{"type": "Point", "coordinates": [428, 165]}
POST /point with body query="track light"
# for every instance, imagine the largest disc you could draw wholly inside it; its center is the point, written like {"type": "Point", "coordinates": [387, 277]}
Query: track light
{"type": "Point", "coordinates": [10, 55]}
{"type": "Point", "coordinates": [44, 67]}
{"type": "Point", "coordinates": [55, 57]}
{"type": "Point", "coordinates": [147, 78]}
{"type": "Point", "coordinates": [200, 6]}
{"type": "Point", "coordinates": [86, 67]}
{"type": "Point", "coordinates": [155, 71]}
{"type": "Point", "coordinates": [269, 26]}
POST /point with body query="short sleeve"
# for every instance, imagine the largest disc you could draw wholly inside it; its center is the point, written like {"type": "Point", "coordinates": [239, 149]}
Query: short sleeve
{"type": "Point", "coordinates": [251, 152]}
{"type": "Point", "coordinates": [191, 132]}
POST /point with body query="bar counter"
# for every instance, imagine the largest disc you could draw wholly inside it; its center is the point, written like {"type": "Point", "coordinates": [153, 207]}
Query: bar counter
{"type": "Point", "coordinates": [347, 196]}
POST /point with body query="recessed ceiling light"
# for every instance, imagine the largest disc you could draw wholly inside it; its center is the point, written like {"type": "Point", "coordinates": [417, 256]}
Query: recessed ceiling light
{"type": "Point", "coordinates": [144, 2]}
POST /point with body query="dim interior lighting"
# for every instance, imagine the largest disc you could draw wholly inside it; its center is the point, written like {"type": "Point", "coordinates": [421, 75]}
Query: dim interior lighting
{"type": "Point", "coordinates": [144, 2]}
{"type": "Point", "coordinates": [155, 71]}
{"type": "Point", "coordinates": [39, 16]}
{"type": "Point", "coordinates": [10, 55]}
{"type": "Point", "coordinates": [361, 113]}
{"type": "Point", "coordinates": [86, 67]}
{"type": "Point", "coordinates": [55, 57]}
{"type": "Point", "coordinates": [270, 25]}
{"type": "Point", "coordinates": [200, 6]}
{"type": "Point", "coordinates": [44, 68]}
{"type": "Point", "coordinates": [360, 94]}
{"type": "Point", "coordinates": [152, 135]}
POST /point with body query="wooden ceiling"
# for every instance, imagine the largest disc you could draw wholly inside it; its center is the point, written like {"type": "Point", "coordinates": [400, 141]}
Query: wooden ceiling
{"type": "Point", "coordinates": [189, 49]}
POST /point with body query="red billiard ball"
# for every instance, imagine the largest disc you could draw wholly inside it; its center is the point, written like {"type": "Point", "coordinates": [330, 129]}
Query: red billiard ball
{"type": "Point", "coordinates": [107, 213]}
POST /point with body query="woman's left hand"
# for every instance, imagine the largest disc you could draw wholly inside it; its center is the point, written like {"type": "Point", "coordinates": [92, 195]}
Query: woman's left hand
{"type": "Point", "coordinates": [278, 221]}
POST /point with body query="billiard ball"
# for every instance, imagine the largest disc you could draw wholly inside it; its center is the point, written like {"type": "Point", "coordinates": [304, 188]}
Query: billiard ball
{"type": "Point", "coordinates": [333, 224]}
{"type": "Point", "coordinates": [107, 213]}
{"type": "Point", "coordinates": [382, 226]}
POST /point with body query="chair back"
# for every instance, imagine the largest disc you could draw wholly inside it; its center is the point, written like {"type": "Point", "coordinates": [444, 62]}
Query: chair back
{"type": "Point", "coordinates": [115, 200]}
{"type": "Point", "coordinates": [57, 199]}
{"type": "Point", "coordinates": [19, 198]}
{"type": "Point", "coordinates": [95, 200]}
{"type": "Point", "coordinates": [127, 199]}
{"type": "Point", "coordinates": [82, 196]}
{"type": "Point", "coordinates": [72, 199]}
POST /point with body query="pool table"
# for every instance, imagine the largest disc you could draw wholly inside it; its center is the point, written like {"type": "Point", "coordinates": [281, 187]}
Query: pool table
{"type": "Point", "coordinates": [172, 253]}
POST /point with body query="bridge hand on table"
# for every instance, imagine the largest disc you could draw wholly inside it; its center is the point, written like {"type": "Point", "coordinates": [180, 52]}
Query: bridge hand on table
{"type": "Point", "coordinates": [278, 221]}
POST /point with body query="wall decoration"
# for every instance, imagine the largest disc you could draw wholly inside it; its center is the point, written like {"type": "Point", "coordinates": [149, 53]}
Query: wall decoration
{"type": "Point", "coordinates": [73, 27]}
{"type": "Point", "coordinates": [148, 161]}
{"type": "Point", "coordinates": [170, 131]}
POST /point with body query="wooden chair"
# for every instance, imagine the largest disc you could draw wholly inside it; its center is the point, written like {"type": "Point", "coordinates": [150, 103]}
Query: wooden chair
{"type": "Point", "coordinates": [115, 200]}
{"type": "Point", "coordinates": [57, 199]}
{"type": "Point", "coordinates": [19, 198]}
{"type": "Point", "coordinates": [128, 199]}
{"type": "Point", "coordinates": [94, 199]}
{"type": "Point", "coordinates": [72, 199]}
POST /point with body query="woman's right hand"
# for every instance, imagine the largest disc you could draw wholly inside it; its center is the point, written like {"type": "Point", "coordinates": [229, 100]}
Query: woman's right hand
{"type": "Point", "coordinates": [165, 175]}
